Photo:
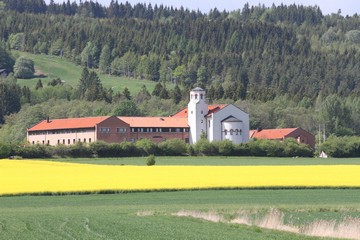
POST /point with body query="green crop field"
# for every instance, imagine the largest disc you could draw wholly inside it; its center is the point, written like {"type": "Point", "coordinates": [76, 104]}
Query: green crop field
{"type": "Point", "coordinates": [53, 67]}
{"type": "Point", "coordinates": [215, 161]}
{"type": "Point", "coordinates": [150, 215]}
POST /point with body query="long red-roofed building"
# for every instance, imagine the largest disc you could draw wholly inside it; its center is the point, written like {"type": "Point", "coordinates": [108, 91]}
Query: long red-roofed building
{"type": "Point", "coordinates": [281, 134]}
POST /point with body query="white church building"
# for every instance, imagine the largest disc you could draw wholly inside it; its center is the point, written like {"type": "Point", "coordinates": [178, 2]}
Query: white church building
{"type": "Point", "coordinates": [216, 122]}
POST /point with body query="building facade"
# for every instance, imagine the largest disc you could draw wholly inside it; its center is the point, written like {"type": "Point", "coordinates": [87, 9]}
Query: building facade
{"type": "Point", "coordinates": [216, 122]}
{"type": "Point", "coordinates": [299, 134]}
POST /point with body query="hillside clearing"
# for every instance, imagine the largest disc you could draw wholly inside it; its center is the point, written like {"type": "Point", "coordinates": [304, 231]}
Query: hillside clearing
{"type": "Point", "coordinates": [52, 67]}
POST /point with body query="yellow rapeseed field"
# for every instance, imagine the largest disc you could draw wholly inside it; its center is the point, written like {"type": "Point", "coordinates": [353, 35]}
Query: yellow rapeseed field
{"type": "Point", "coordinates": [25, 176]}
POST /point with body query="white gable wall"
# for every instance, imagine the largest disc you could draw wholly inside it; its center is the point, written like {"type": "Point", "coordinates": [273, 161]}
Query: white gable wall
{"type": "Point", "coordinates": [216, 131]}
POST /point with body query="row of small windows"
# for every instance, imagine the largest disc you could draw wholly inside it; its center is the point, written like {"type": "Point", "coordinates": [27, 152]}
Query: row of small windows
{"type": "Point", "coordinates": [65, 131]}
{"type": "Point", "coordinates": [63, 141]}
{"type": "Point", "coordinates": [150, 130]}
{"type": "Point", "coordinates": [145, 130]}
{"type": "Point", "coordinates": [196, 96]}
{"type": "Point", "coordinates": [233, 132]}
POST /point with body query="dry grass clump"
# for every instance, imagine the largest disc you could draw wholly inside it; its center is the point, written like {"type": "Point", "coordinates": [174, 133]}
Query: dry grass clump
{"type": "Point", "coordinates": [274, 219]}
{"type": "Point", "coordinates": [145, 213]}
{"type": "Point", "coordinates": [348, 228]}
{"type": "Point", "coordinates": [208, 216]}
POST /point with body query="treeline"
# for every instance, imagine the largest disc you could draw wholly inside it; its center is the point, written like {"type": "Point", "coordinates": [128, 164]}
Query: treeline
{"type": "Point", "coordinates": [293, 13]}
{"type": "Point", "coordinates": [242, 59]}
{"type": "Point", "coordinates": [172, 147]}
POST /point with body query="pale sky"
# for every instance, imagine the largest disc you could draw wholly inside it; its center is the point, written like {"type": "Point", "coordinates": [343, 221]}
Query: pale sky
{"type": "Point", "coordinates": [348, 7]}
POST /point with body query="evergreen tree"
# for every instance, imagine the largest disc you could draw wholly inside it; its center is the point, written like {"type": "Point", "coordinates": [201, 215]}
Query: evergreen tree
{"type": "Point", "coordinates": [9, 99]}
{"type": "Point", "coordinates": [176, 94]}
{"type": "Point", "coordinates": [126, 93]}
{"type": "Point", "coordinates": [157, 90]}
{"type": "Point", "coordinates": [38, 84]}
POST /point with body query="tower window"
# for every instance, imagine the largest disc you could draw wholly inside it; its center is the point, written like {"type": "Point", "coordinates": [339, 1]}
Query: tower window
{"type": "Point", "coordinates": [225, 132]}
{"type": "Point", "coordinates": [195, 96]}
{"type": "Point", "coordinates": [201, 96]}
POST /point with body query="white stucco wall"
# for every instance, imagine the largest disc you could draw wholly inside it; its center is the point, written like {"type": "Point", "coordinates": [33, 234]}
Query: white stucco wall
{"type": "Point", "coordinates": [64, 138]}
{"type": "Point", "coordinates": [215, 131]}
{"type": "Point", "coordinates": [197, 109]}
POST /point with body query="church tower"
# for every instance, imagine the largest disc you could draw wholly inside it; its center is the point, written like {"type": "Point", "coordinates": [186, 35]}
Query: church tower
{"type": "Point", "coordinates": [197, 109]}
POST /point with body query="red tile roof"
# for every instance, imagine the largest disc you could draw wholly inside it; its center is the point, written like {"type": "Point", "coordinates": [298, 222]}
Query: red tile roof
{"type": "Point", "coordinates": [211, 109]}
{"type": "Point", "coordinates": [163, 122]}
{"type": "Point", "coordinates": [68, 123]}
{"type": "Point", "coordinates": [271, 133]}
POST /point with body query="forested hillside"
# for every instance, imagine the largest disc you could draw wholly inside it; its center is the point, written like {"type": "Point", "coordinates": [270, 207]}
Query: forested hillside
{"type": "Point", "coordinates": [288, 66]}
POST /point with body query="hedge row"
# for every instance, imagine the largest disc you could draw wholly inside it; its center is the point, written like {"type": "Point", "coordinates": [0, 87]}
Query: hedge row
{"type": "Point", "coordinates": [341, 146]}
{"type": "Point", "coordinates": [172, 147]}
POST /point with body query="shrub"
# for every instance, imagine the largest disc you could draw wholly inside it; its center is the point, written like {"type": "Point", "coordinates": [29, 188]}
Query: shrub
{"type": "Point", "coordinates": [5, 150]}
{"type": "Point", "coordinates": [225, 147]}
{"type": "Point", "coordinates": [34, 151]}
{"type": "Point", "coordinates": [150, 160]}
{"type": "Point", "coordinates": [204, 147]}
{"type": "Point", "coordinates": [341, 146]}
{"type": "Point", "coordinates": [242, 149]}
{"type": "Point", "coordinates": [173, 147]}
{"type": "Point", "coordinates": [129, 149]}
{"type": "Point", "coordinates": [60, 151]}
{"type": "Point", "coordinates": [293, 149]}
{"type": "Point", "coordinates": [80, 150]}
{"type": "Point", "coordinates": [146, 146]}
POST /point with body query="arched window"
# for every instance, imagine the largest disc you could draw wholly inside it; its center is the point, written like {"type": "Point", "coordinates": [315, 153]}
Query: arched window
{"type": "Point", "coordinates": [201, 96]}
{"type": "Point", "coordinates": [237, 132]}
{"type": "Point", "coordinates": [240, 131]}
{"type": "Point", "coordinates": [195, 96]}
{"type": "Point", "coordinates": [225, 131]}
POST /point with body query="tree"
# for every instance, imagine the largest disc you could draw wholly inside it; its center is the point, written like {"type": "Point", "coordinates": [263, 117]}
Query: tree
{"type": "Point", "coordinates": [17, 41]}
{"type": "Point", "coordinates": [38, 84]}
{"type": "Point", "coordinates": [126, 93]}
{"type": "Point", "coordinates": [6, 61]}
{"type": "Point", "coordinates": [105, 59]}
{"type": "Point", "coordinates": [176, 94]}
{"type": "Point", "coordinates": [24, 68]}
{"type": "Point", "coordinates": [89, 55]}
{"type": "Point", "coordinates": [9, 99]}
{"type": "Point", "coordinates": [157, 90]}
{"type": "Point", "coordinates": [127, 108]}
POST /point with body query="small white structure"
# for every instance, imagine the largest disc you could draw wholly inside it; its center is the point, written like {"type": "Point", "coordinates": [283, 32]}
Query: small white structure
{"type": "Point", "coordinates": [217, 122]}
{"type": "Point", "coordinates": [323, 155]}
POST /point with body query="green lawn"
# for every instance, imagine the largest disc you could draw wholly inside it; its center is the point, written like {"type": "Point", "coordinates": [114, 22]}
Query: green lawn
{"type": "Point", "coordinates": [54, 66]}
{"type": "Point", "coordinates": [115, 216]}
{"type": "Point", "coordinates": [215, 161]}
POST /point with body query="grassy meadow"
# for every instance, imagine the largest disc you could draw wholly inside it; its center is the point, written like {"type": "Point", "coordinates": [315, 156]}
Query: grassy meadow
{"type": "Point", "coordinates": [154, 215]}
{"type": "Point", "coordinates": [54, 66]}
{"type": "Point", "coordinates": [196, 214]}
{"type": "Point", "coordinates": [212, 161]}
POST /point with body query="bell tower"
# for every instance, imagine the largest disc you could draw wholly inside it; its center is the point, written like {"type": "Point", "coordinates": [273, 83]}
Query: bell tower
{"type": "Point", "coordinates": [197, 109]}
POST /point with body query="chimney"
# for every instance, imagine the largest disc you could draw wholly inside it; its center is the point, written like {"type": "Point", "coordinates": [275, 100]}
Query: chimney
{"type": "Point", "coordinates": [259, 129]}
{"type": "Point", "coordinates": [47, 119]}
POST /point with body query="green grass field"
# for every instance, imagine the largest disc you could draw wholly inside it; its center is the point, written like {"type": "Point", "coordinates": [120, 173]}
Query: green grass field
{"type": "Point", "coordinates": [214, 161]}
{"type": "Point", "coordinates": [54, 67]}
{"type": "Point", "coordinates": [115, 216]}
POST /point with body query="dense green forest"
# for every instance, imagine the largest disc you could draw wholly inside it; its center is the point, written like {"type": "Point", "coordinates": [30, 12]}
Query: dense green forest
{"type": "Point", "coordinates": [288, 66]}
